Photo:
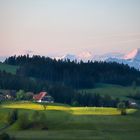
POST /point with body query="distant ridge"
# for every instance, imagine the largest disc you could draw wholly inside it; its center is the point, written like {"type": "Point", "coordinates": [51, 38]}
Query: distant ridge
{"type": "Point", "coordinates": [134, 54]}
{"type": "Point", "coordinates": [132, 58]}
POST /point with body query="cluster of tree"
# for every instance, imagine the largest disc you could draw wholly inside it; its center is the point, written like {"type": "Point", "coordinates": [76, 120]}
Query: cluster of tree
{"type": "Point", "coordinates": [122, 108]}
{"type": "Point", "coordinates": [12, 117]}
{"type": "Point", "coordinates": [5, 136]}
{"type": "Point", "coordinates": [67, 95]}
{"type": "Point", "coordinates": [61, 79]}
{"type": "Point", "coordinates": [36, 121]}
{"type": "Point", "coordinates": [135, 96]}
{"type": "Point", "coordinates": [16, 82]}
{"type": "Point", "coordinates": [22, 95]}
{"type": "Point", "coordinates": [74, 74]}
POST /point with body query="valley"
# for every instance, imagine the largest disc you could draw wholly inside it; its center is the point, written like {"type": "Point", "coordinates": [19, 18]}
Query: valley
{"type": "Point", "coordinates": [66, 126]}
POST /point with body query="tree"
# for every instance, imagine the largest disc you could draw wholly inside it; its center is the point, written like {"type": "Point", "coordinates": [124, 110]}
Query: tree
{"type": "Point", "coordinates": [75, 103]}
{"type": "Point", "coordinates": [20, 95]}
{"type": "Point", "coordinates": [121, 106]}
{"type": "Point", "coordinates": [4, 136]}
{"type": "Point", "coordinates": [23, 121]}
{"type": "Point", "coordinates": [44, 106]}
{"type": "Point", "coordinates": [12, 117]}
{"type": "Point", "coordinates": [134, 85]}
{"type": "Point", "coordinates": [38, 120]}
{"type": "Point", "coordinates": [35, 115]}
{"type": "Point", "coordinates": [29, 96]}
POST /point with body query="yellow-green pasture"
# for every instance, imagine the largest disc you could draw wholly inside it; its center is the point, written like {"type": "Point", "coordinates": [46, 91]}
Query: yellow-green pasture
{"type": "Point", "coordinates": [72, 110]}
{"type": "Point", "coordinates": [73, 123]}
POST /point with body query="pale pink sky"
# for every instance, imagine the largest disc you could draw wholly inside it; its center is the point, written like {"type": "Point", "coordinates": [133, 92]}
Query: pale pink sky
{"type": "Point", "coordinates": [57, 27]}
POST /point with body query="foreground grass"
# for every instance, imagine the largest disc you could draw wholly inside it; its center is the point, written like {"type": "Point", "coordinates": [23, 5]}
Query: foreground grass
{"type": "Point", "coordinates": [65, 126]}
{"type": "Point", "coordinates": [70, 123]}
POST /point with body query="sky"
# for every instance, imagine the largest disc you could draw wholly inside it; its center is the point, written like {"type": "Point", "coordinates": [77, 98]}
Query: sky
{"type": "Point", "coordinates": [58, 27]}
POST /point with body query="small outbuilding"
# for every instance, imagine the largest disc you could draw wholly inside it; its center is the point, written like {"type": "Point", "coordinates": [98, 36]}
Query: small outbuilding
{"type": "Point", "coordinates": [133, 104]}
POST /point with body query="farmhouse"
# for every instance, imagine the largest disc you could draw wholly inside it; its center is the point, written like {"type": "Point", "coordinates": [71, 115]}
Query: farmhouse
{"type": "Point", "coordinates": [43, 97]}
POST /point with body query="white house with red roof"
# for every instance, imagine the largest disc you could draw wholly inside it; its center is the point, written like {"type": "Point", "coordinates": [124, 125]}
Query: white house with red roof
{"type": "Point", "coordinates": [43, 97]}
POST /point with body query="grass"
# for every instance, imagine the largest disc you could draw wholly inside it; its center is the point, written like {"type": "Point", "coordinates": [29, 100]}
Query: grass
{"type": "Point", "coordinates": [115, 91]}
{"type": "Point", "coordinates": [34, 106]}
{"type": "Point", "coordinates": [8, 68]}
{"type": "Point", "coordinates": [74, 123]}
{"type": "Point", "coordinates": [72, 110]}
{"type": "Point", "coordinates": [98, 111]}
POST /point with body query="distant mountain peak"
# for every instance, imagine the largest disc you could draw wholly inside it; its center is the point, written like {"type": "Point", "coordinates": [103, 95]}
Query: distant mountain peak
{"type": "Point", "coordinates": [134, 54]}
{"type": "Point", "coordinates": [71, 57]}
{"type": "Point", "coordinates": [132, 58]}
{"type": "Point", "coordinates": [85, 56]}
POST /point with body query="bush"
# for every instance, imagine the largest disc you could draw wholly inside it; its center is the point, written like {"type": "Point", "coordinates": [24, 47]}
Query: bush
{"type": "Point", "coordinates": [121, 106]}
{"type": "Point", "coordinates": [38, 120]}
{"type": "Point", "coordinates": [4, 136]}
{"type": "Point", "coordinates": [123, 112]}
{"type": "Point", "coordinates": [23, 121]}
{"type": "Point", "coordinates": [12, 116]}
{"type": "Point", "coordinates": [35, 116]}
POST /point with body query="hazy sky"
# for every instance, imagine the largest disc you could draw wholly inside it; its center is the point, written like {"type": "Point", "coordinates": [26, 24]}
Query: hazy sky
{"type": "Point", "coordinates": [57, 27]}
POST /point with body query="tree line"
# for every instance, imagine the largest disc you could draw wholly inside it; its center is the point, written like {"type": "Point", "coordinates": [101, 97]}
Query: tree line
{"type": "Point", "coordinates": [62, 79]}
{"type": "Point", "coordinates": [67, 95]}
{"type": "Point", "coordinates": [74, 74]}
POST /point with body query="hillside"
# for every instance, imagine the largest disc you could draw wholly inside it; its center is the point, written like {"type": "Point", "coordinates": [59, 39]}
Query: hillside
{"type": "Point", "coordinates": [63, 125]}
{"type": "Point", "coordinates": [132, 59]}
{"type": "Point", "coordinates": [63, 79]}
{"type": "Point", "coordinates": [115, 91]}
{"type": "Point", "coordinates": [73, 74]}
{"type": "Point", "coordinates": [8, 68]}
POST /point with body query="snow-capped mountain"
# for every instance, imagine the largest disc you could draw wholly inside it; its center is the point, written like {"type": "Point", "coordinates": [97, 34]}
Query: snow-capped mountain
{"type": "Point", "coordinates": [104, 57]}
{"type": "Point", "coordinates": [84, 56]}
{"type": "Point", "coordinates": [2, 58]}
{"type": "Point", "coordinates": [132, 59]}
{"type": "Point", "coordinates": [133, 55]}
{"type": "Point", "coordinates": [71, 57]}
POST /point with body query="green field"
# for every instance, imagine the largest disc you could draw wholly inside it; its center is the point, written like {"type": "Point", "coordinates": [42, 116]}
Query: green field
{"type": "Point", "coordinates": [115, 91]}
{"type": "Point", "coordinates": [8, 68]}
{"type": "Point", "coordinates": [70, 123]}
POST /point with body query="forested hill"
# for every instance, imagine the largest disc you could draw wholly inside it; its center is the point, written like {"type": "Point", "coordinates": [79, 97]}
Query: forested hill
{"type": "Point", "coordinates": [74, 74]}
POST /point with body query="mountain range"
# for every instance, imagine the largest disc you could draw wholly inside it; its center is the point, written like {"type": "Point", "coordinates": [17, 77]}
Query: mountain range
{"type": "Point", "coordinates": [132, 58]}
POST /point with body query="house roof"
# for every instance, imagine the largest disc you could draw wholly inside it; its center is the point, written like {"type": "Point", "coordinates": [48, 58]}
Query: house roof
{"type": "Point", "coordinates": [39, 96]}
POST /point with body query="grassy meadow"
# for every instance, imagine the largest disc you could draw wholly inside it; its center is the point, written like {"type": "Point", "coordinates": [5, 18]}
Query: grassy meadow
{"type": "Point", "coordinates": [72, 110]}
{"type": "Point", "coordinates": [8, 68]}
{"type": "Point", "coordinates": [75, 123]}
{"type": "Point", "coordinates": [115, 91]}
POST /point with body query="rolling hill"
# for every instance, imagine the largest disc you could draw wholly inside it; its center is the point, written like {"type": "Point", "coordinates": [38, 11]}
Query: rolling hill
{"type": "Point", "coordinates": [8, 68]}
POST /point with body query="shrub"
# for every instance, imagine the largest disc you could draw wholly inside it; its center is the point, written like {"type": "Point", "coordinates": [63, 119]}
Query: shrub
{"type": "Point", "coordinates": [121, 106]}
{"type": "Point", "coordinates": [35, 116]}
{"type": "Point", "coordinates": [23, 121]}
{"type": "Point", "coordinates": [12, 116]}
{"type": "Point", "coordinates": [4, 136]}
{"type": "Point", "coordinates": [38, 120]}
